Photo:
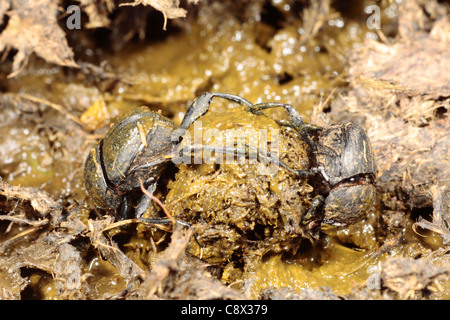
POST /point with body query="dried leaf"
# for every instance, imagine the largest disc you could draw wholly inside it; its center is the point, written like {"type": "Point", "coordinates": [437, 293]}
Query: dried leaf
{"type": "Point", "coordinates": [406, 276]}
{"type": "Point", "coordinates": [33, 27]}
{"type": "Point", "coordinates": [170, 261]}
{"type": "Point", "coordinates": [40, 200]}
{"type": "Point", "coordinates": [97, 12]}
{"type": "Point", "coordinates": [4, 6]}
{"type": "Point", "coordinates": [169, 8]}
{"type": "Point", "coordinates": [51, 253]}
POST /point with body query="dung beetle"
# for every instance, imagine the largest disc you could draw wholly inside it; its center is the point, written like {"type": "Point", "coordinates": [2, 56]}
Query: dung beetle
{"type": "Point", "coordinates": [345, 160]}
{"type": "Point", "coordinates": [114, 166]}
{"type": "Point", "coordinates": [135, 150]}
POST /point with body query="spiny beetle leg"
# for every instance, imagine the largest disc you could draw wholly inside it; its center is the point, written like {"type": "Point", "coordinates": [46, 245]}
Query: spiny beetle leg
{"type": "Point", "coordinates": [144, 202]}
{"type": "Point", "coordinates": [296, 120]}
{"type": "Point", "coordinates": [244, 150]}
{"type": "Point", "coordinates": [308, 126]}
{"type": "Point", "coordinates": [124, 211]}
{"type": "Point", "coordinates": [315, 205]}
{"type": "Point", "coordinates": [164, 221]}
{"type": "Point", "coordinates": [201, 105]}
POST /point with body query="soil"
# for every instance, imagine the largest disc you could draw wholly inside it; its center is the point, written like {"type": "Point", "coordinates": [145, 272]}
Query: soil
{"type": "Point", "coordinates": [250, 236]}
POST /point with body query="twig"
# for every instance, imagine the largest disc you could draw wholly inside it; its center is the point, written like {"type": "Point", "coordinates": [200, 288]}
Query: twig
{"type": "Point", "coordinates": [55, 106]}
{"type": "Point", "coordinates": [128, 221]}
{"type": "Point", "coordinates": [21, 234]}
{"type": "Point", "coordinates": [327, 99]}
{"type": "Point", "coordinates": [25, 221]}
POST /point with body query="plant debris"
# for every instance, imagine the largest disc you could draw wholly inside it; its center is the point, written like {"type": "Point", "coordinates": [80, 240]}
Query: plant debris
{"type": "Point", "coordinates": [405, 276]}
{"type": "Point", "coordinates": [441, 214]}
{"type": "Point", "coordinates": [41, 202]}
{"type": "Point", "coordinates": [33, 28]}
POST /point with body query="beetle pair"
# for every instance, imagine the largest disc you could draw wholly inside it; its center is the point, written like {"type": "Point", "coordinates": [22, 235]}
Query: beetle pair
{"type": "Point", "coordinates": [139, 146]}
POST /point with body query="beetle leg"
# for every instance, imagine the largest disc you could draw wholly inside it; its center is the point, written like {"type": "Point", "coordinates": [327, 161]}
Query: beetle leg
{"type": "Point", "coordinates": [308, 126]}
{"type": "Point", "coordinates": [201, 105]}
{"type": "Point", "coordinates": [144, 202]}
{"type": "Point", "coordinates": [245, 150]}
{"type": "Point", "coordinates": [296, 120]}
{"type": "Point", "coordinates": [232, 97]}
{"type": "Point", "coordinates": [268, 157]}
{"type": "Point", "coordinates": [315, 205]}
{"type": "Point", "coordinates": [164, 221]}
{"type": "Point", "coordinates": [124, 208]}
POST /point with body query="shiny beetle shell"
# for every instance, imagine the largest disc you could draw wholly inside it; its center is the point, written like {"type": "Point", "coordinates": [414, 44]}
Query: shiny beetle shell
{"type": "Point", "coordinates": [344, 151]}
{"type": "Point", "coordinates": [95, 182]}
{"type": "Point", "coordinates": [346, 160]}
{"type": "Point", "coordinates": [129, 154]}
{"type": "Point", "coordinates": [348, 204]}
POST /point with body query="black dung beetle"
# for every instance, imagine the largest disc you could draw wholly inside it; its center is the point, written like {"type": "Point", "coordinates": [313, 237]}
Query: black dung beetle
{"type": "Point", "coordinates": [345, 159]}
{"type": "Point", "coordinates": [115, 165]}
{"type": "Point", "coordinates": [134, 151]}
